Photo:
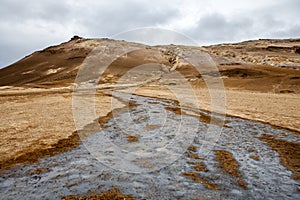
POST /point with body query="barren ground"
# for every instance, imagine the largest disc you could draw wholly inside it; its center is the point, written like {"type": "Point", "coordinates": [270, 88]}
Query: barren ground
{"type": "Point", "coordinates": [37, 122]}
{"type": "Point", "coordinates": [261, 82]}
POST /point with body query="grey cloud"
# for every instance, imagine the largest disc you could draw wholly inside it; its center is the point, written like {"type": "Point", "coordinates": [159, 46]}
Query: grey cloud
{"type": "Point", "coordinates": [26, 26]}
{"type": "Point", "coordinates": [42, 22]}
{"type": "Point", "coordinates": [288, 33]}
{"type": "Point", "coordinates": [155, 36]}
{"type": "Point", "coordinates": [21, 10]}
{"type": "Point", "coordinates": [278, 20]}
{"type": "Point", "coordinates": [111, 20]}
{"type": "Point", "coordinates": [216, 28]}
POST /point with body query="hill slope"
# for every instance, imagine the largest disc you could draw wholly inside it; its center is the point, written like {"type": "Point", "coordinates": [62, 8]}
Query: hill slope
{"type": "Point", "coordinates": [276, 63]}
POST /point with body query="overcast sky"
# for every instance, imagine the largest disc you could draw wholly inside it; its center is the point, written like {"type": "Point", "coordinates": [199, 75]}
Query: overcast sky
{"type": "Point", "coordinates": [30, 25]}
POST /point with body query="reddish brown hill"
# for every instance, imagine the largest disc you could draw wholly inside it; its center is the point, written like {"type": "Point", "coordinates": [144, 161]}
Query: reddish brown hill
{"type": "Point", "coordinates": [51, 65]}
{"type": "Point", "coordinates": [264, 65]}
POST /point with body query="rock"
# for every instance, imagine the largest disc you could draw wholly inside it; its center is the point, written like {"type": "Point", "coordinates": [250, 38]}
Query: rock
{"type": "Point", "coordinates": [76, 37]}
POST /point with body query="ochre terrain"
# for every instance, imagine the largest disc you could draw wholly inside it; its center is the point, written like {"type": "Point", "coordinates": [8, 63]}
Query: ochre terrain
{"type": "Point", "coordinates": [261, 81]}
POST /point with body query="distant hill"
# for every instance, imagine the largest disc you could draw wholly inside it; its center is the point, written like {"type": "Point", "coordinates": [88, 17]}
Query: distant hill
{"type": "Point", "coordinates": [58, 65]}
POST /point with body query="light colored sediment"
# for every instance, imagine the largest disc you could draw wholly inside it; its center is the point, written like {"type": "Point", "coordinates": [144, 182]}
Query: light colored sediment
{"type": "Point", "coordinates": [35, 122]}
{"type": "Point", "coordinates": [277, 109]}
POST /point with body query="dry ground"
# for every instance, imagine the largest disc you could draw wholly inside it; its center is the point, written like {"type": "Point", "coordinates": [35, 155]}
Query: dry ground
{"type": "Point", "coordinates": [40, 120]}
{"type": "Point", "coordinates": [34, 120]}
{"type": "Point", "coordinates": [36, 123]}
{"type": "Point", "coordinates": [277, 109]}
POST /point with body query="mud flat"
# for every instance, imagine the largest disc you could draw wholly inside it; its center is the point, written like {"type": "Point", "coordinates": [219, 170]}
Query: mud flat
{"type": "Point", "coordinates": [81, 172]}
{"type": "Point", "coordinates": [277, 109]}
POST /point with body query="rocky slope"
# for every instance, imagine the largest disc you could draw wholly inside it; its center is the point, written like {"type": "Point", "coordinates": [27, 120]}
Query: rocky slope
{"type": "Point", "coordinates": [279, 53]}
{"type": "Point", "coordinates": [58, 65]}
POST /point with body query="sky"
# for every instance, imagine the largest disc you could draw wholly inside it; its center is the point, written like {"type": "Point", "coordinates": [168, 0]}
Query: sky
{"type": "Point", "coordinates": [30, 25]}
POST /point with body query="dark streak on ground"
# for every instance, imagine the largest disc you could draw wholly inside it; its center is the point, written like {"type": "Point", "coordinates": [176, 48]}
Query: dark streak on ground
{"type": "Point", "coordinates": [289, 153]}
{"type": "Point", "coordinates": [230, 166]}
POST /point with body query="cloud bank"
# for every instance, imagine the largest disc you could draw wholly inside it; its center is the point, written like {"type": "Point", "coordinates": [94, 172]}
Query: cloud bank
{"type": "Point", "coordinates": [27, 26]}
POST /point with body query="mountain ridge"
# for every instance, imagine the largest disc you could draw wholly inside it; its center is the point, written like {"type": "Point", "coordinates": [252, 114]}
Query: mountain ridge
{"type": "Point", "coordinates": [58, 64]}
